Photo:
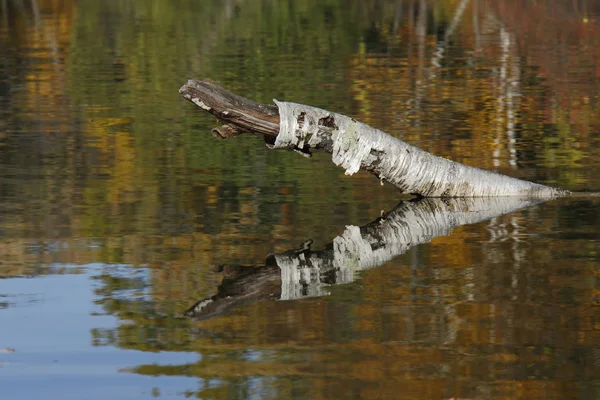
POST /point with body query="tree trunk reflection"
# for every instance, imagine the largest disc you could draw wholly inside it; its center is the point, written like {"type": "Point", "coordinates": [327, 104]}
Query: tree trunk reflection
{"type": "Point", "coordinates": [303, 272]}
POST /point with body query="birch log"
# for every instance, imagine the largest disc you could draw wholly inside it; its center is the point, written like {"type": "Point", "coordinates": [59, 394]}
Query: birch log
{"type": "Point", "coordinates": [356, 146]}
{"type": "Point", "coordinates": [302, 273]}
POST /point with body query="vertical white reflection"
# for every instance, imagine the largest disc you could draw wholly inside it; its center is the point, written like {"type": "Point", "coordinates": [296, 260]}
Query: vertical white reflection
{"type": "Point", "coordinates": [512, 232]}
{"type": "Point", "coordinates": [500, 112]}
{"type": "Point", "coordinates": [441, 47]}
{"type": "Point", "coordinates": [507, 100]}
{"type": "Point", "coordinates": [512, 97]}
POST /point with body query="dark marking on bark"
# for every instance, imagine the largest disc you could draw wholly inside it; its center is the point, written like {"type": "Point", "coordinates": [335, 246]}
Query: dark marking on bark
{"type": "Point", "coordinates": [304, 150]}
{"type": "Point", "coordinates": [328, 122]}
{"type": "Point", "coordinates": [325, 141]}
{"type": "Point", "coordinates": [301, 120]}
{"type": "Point", "coordinates": [269, 141]}
{"type": "Point", "coordinates": [377, 154]}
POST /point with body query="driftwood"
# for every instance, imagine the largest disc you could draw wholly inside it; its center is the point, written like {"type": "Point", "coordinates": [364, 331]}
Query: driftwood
{"type": "Point", "coordinates": [355, 146]}
{"type": "Point", "coordinates": [304, 272]}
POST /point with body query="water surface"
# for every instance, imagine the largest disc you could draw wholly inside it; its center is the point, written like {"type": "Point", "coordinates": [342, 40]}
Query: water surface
{"type": "Point", "coordinates": [119, 211]}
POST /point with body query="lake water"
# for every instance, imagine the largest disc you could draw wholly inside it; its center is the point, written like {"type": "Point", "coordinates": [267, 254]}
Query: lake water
{"type": "Point", "coordinates": [140, 257]}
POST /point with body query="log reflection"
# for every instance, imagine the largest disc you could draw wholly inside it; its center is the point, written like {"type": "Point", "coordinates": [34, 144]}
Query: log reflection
{"type": "Point", "coordinates": [304, 272]}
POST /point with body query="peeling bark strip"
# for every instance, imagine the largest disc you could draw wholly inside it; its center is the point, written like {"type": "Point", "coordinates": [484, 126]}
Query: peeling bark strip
{"type": "Point", "coordinates": [355, 146]}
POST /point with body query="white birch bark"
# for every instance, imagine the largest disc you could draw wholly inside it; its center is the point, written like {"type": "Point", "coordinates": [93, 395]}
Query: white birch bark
{"type": "Point", "coordinates": [355, 145]}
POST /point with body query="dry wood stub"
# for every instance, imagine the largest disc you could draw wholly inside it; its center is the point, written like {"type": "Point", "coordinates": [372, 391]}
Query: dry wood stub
{"type": "Point", "coordinates": [239, 113]}
{"type": "Point", "coordinates": [356, 146]}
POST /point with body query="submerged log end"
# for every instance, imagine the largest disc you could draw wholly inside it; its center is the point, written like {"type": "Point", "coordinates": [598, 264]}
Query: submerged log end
{"type": "Point", "coordinates": [548, 192]}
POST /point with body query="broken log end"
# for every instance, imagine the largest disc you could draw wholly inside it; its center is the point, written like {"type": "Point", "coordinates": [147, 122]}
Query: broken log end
{"type": "Point", "coordinates": [238, 113]}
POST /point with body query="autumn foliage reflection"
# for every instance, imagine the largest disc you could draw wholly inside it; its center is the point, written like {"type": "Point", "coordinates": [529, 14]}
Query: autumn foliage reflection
{"type": "Point", "coordinates": [104, 167]}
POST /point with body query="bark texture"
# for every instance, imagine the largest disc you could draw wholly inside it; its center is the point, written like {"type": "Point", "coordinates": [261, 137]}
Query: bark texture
{"type": "Point", "coordinates": [356, 146]}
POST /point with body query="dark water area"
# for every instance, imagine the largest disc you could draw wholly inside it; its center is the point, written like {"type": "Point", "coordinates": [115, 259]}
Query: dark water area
{"type": "Point", "coordinates": [140, 257]}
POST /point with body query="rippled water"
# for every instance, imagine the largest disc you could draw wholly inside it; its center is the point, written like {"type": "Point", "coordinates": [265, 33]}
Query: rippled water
{"type": "Point", "coordinates": [141, 257]}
